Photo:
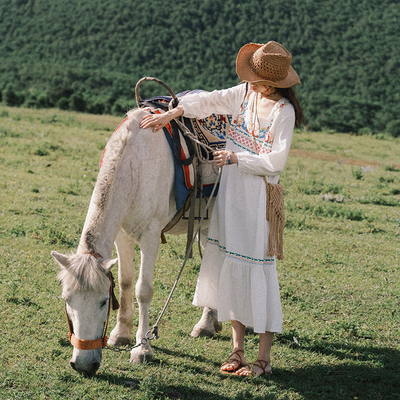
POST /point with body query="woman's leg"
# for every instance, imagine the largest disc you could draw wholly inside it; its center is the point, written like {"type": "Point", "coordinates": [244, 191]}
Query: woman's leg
{"type": "Point", "coordinates": [237, 359]}
{"type": "Point", "coordinates": [238, 330]}
{"type": "Point", "coordinates": [264, 355]}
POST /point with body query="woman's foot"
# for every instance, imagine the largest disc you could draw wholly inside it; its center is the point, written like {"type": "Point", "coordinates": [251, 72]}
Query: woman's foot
{"type": "Point", "coordinates": [260, 367]}
{"type": "Point", "coordinates": [236, 361]}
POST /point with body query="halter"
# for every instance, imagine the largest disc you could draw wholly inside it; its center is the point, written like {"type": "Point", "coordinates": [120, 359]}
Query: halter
{"type": "Point", "coordinates": [82, 344]}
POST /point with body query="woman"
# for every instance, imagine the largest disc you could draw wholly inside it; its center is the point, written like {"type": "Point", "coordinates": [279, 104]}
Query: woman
{"type": "Point", "coordinates": [238, 273]}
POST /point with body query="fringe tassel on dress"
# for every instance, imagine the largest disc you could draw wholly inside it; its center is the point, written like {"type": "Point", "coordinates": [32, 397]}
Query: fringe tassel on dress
{"type": "Point", "coordinates": [276, 219]}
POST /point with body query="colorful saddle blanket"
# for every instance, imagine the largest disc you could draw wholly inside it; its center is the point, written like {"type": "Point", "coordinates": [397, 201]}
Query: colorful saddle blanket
{"type": "Point", "coordinates": [211, 131]}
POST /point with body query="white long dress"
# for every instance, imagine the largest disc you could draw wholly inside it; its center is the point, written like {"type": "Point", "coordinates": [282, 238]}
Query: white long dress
{"type": "Point", "coordinates": [236, 276]}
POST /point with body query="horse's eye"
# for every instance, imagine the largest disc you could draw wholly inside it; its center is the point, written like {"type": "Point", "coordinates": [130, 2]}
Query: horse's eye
{"type": "Point", "coordinates": [103, 303]}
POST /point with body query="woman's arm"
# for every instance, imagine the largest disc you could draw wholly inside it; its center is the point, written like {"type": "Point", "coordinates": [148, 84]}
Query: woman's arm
{"type": "Point", "coordinates": [272, 163]}
{"type": "Point", "coordinates": [198, 105]}
{"type": "Point", "coordinates": [203, 104]}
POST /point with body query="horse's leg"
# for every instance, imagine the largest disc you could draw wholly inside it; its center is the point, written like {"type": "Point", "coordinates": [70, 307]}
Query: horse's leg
{"type": "Point", "coordinates": [208, 325]}
{"type": "Point", "coordinates": [149, 244]}
{"type": "Point", "coordinates": [122, 333]}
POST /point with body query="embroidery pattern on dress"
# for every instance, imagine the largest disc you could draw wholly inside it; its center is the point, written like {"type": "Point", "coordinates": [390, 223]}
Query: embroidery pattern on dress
{"type": "Point", "coordinates": [241, 257]}
{"type": "Point", "coordinates": [239, 133]}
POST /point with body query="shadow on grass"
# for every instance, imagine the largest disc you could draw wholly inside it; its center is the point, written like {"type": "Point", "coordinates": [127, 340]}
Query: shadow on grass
{"type": "Point", "coordinates": [191, 358]}
{"type": "Point", "coordinates": [151, 389]}
{"type": "Point", "coordinates": [340, 382]}
{"type": "Point", "coordinates": [351, 372]}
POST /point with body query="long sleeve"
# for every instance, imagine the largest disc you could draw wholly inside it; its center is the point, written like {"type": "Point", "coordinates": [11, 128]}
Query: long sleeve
{"type": "Point", "coordinates": [203, 104]}
{"type": "Point", "coordinates": [272, 163]}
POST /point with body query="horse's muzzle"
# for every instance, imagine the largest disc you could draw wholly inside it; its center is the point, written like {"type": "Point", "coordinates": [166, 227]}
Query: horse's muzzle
{"type": "Point", "coordinates": [89, 369]}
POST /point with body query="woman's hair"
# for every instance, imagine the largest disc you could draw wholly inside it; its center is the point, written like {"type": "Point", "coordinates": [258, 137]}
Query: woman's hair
{"type": "Point", "coordinates": [291, 96]}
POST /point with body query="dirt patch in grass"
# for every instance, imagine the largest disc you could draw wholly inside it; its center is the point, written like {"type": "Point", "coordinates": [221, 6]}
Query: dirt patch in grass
{"type": "Point", "coordinates": [335, 158]}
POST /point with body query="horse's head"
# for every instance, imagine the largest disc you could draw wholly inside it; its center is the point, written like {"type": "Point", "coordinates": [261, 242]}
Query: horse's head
{"type": "Point", "coordinates": [87, 291]}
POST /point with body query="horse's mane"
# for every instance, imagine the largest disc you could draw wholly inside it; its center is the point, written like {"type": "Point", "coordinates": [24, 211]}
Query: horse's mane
{"type": "Point", "coordinates": [84, 272]}
{"type": "Point", "coordinates": [111, 158]}
{"type": "Point", "coordinates": [116, 145]}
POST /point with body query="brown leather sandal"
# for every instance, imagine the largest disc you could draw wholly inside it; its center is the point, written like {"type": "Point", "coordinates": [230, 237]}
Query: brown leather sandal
{"type": "Point", "coordinates": [262, 364]}
{"type": "Point", "coordinates": [246, 371]}
{"type": "Point", "coordinates": [233, 358]}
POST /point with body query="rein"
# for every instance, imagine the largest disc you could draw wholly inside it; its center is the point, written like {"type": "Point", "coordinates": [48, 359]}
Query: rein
{"type": "Point", "coordinates": [83, 344]}
{"type": "Point", "coordinates": [153, 332]}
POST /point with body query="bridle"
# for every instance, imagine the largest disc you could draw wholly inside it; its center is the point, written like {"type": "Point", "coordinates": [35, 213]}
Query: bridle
{"type": "Point", "coordinates": [99, 343]}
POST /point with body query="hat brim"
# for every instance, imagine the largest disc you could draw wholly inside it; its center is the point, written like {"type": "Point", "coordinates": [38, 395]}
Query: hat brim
{"type": "Point", "coordinates": [246, 74]}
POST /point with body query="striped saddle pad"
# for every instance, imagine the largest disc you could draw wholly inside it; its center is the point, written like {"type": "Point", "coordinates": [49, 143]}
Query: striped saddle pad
{"type": "Point", "coordinates": [211, 131]}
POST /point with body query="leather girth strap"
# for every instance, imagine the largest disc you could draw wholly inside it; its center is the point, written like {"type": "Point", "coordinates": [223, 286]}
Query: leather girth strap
{"type": "Point", "coordinates": [177, 217]}
{"type": "Point", "coordinates": [189, 205]}
{"type": "Point", "coordinates": [190, 230]}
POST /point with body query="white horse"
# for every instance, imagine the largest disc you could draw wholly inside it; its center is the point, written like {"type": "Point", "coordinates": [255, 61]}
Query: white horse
{"type": "Point", "coordinates": [131, 203]}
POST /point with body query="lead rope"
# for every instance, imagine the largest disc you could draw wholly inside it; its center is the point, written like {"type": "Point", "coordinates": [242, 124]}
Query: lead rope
{"type": "Point", "coordinates": [153, 332]}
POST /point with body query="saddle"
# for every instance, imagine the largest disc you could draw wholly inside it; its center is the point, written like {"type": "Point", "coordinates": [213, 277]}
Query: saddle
{"type": "Point", "coordinates": [192, 180]}
{"type": "Point", "coordinates": [211, 131]}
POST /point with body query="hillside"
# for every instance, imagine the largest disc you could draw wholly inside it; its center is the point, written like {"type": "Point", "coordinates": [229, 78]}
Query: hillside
{"type": "Point", "coordinates": [88, 56]}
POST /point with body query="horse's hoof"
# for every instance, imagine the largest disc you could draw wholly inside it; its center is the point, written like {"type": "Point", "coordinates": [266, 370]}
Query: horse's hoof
{"type": "Point", "coordinates": [141, 356]}
{"type": "Point", "coordinates": [202, 332]}
{"type": "Point", "coordinates": [119, 341]}
{"type": "Point", "coordinates": [208, 326]}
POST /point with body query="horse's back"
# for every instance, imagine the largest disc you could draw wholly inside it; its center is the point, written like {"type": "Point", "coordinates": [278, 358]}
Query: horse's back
{"type": "Point", "coordinates": [145, 175]}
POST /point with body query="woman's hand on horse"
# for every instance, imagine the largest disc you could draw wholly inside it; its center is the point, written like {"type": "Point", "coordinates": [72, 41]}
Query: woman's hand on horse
{"type": "Point", "coordinates": [158, 121]}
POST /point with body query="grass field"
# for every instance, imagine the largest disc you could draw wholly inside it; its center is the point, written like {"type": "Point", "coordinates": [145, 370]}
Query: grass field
{"type": "Point", "coordinates": [339, 279]}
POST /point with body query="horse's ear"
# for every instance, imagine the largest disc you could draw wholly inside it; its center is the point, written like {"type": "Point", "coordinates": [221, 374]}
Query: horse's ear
{"type": "Point", "coordinates": [108, 264]}
{"type": "Point", "coordinates": [61, 259]}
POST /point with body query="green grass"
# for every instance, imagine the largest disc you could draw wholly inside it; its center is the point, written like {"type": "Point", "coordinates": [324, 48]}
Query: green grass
{"type": "Point", "coordinates": [339, 279]}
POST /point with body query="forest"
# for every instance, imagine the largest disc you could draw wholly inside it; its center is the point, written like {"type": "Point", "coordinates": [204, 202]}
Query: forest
{"type": "Point", "coordinates": [88, 55]}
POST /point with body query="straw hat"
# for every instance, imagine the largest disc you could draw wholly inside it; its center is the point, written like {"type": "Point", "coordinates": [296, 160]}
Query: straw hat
{"type": "Point", "coordinates": [266, 63]}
